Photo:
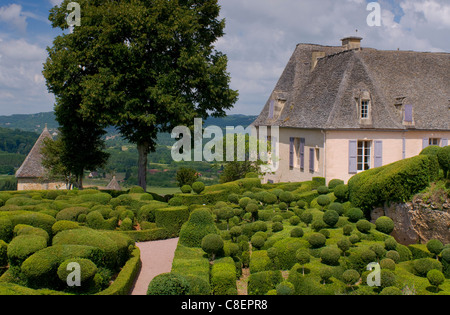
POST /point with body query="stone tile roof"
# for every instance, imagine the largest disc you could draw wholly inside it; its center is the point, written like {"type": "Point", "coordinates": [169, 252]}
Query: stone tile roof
{"type": "Point", "coordinates": [32, 165]}
{"type": "Point", "coordinates": [324, 98]}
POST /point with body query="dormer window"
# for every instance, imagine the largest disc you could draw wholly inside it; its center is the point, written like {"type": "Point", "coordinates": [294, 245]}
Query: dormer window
{"type": "Point", "coordinates": [365, 105]}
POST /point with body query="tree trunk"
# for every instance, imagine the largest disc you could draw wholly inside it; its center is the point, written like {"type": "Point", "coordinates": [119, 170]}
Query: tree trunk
{"type": "Point", "coordinates": [142, 164]}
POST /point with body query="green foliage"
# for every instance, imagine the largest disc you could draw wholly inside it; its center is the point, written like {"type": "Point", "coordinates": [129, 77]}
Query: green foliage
{"type": "Point", "coordinates": [88, 271]}
{"type": "Point", "coordinates": [323, 200]}
{"type": "Point", "coordinates": [392, 183]}
{"type": "Point", "coordinates": [23, 246]}
{"type": "Point", "coordinates": [186, 189]}
{"type": "Point", "coordinates": [422, 266]}
{"type": "Point", "coordinates": [334, 183]}
{"type": "Point", "coordinates": [330, 217]}
{"type": "Point", "coordinates": [285, 288]}
{"type": "Point", "coordinates": [384, 225]}
{"type": "Point", "coordinates": [198, 187]}
{"type": "Point", "coordinates": [186, 176]}
{"type": "Point", "coordinates": [364, 226]}
{"type": "Point", "coordinates": [212, 244]}
{"type": "Point", "coordinates": [330, 256]}
{"type": "Point", "coordinates": [355, 214]}
{"type": "Point", "coordinates": [435, 246]}
{"type": "Point", "coordinates": [261, 282]}
{"type": "Point", "coordinates": [317, 240]}
{"type": "Point", "coordinates": [200, 224]}
{"type": "Point", "coordinates": [223, 277]}
{"type": "Point", "coordinates": [350, 277]}
{"type": "Point", "coordinates": [168, 284]}
{"type": "Point", "coordinates": [436, 278]}
{"type": "Point", "coordinates": [341, 192]}
{"type": "Point", "coordinates": [172, 218]}
{"type": "Point", "coordinates": [443, 157]}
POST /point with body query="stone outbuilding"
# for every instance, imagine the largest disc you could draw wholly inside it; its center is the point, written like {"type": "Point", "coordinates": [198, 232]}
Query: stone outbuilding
{"type": "Point", "coordinates": [32, 175]}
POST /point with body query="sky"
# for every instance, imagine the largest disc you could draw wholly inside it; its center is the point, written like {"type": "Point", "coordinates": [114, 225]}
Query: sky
{"type": "Point", "coordinates": [261, 36]}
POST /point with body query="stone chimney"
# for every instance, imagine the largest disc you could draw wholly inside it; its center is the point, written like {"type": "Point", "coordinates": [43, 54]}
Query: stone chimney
{"type": "Point", "coordinates": [351, 42]}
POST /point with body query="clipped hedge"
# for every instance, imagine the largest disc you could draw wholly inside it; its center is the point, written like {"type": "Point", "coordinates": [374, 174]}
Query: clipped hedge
{"type": "Point", "coordinates": [172, 219]}
{"type": "Point", "coordinates": [223, 277]}
{"type": "Point", "coordinates": [35, 219]}
{"type": "Point", "coordinates": [125, 280]}
{"type": "Point", "coordinates": [395, 182]}
{"type": "Point", "coordinates": [200, 224]}
{"type": "Point", "coordinates": [261, 282]}
{"type": "Point", "coordinates": [40, 268]}
{"type": "Point", "coordinates": [23, 246]}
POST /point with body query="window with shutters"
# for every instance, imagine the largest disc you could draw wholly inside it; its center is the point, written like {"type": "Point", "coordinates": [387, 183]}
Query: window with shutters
{"type": "Point", "coordinates": [434, 141]}
{"type": "Point", "coordinates": [297, 153]}
{"type": "Point", "coordinates": [364, 155]}
{"type": "Point", "coordinates": [365, 109]}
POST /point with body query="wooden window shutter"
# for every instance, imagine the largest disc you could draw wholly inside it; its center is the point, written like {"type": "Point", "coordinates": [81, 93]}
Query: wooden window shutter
{"type": "Point", "coordinates": [311, 159]}
{"type": "Point", "coordinates": [353, 156]}
{"type": "Point", "coordinates": [408, 113]}
{"type": "Point", "coordinates": [378, 154]}
{"type": "Point", "coordinates": [302, 153]}
{"type": "Point", "coordinates": [291, 152]}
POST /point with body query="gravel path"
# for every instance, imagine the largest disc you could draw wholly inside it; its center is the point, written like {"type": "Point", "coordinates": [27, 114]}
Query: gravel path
{"type": "Point", "coordinates": [156, 259]}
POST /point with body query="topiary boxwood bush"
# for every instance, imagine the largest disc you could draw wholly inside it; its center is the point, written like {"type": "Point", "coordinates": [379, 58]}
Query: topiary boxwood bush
{"type": "Point", "coordinates": [384, 225]}
{"type": "Point", "coordinates": [40, 268]}
{"type": "Point", "coordinates": [212, 244]}
{"type": "Point", "coordinates": [423, 265]}
{"type": "Point", "coordinates": [355, 214]}
{"type": "Point", "coordinates": [6, 229]}
{"type": "Point", "coordinates": [330, 217]}
{"type": "Point", "coordinates": [260, 283]}
{"type": "Point", "coordinates": [87, 268]}
{"type": "Point", "coordinates": [186, 189]}
{"type": "Point", "coordinates": [168, 284]}
{"type": "Point", "coordinates": [223, 277]}
{"type": "Point", "coordinates": [323, 200]}
{"type": "Point", "coordinates": [364, 226]}
{"type": "Point", "coordinates": [200, 224]}
{"type": "Point", "coordinates": [172, 218]}
{"type": "Point", "coordinates": [317, 240]}
{"type": "Point", "coordinates": [198, 187]}
{"type": "Point", "coordinates": [64, 225]}
{"type": "Point", "coordinates": [341, 192]}
{"type": "Point", "coordinates": [330, 256]}
{"type": "Point", "coordinates": [23, 246]}
{"type": "Point", "coordinates": [71, 214]}
{"type": "Point", "coordinates": [335, 182]}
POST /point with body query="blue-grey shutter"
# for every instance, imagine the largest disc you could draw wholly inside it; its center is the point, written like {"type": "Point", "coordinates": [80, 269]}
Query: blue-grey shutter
{"type": "Point", "coordinates": [302, 153]}
{"type": "Point", "coordinates": [311, 160]}
{"type": "Point", "coordinates": [404, 148]}
{"type": "Point", "coordinates": [291, 152]}
{"type": "Point", "coordinates": [444, 142]}
{"type": "Point", "coordinates": [378, 162]}
{"type": "Point", "coordinates": [425, 143]}
{"type": "Point", "coordinates": [408, 113]}
{"type": "Point", "coordinates": [353, 156]}
{"type": "Point", "coordinates": [272, 105]}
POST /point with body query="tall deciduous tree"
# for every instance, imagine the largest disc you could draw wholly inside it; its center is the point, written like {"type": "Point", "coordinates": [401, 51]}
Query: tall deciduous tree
{"type": "Point", "coordinates": [144, 66]}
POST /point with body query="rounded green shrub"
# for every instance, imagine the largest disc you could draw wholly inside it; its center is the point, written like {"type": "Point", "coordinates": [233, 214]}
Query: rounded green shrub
{"type": "Point", "coordinates": [423, 265]}
{"type": "Point", "coordinates": [306, 217]}
{"type": "Point", "coordinates": [336, 206]}
{"type": "Point", "coordinates": [285, 288]}
{"type": "Point", "coordinates": [175, 202]}
{"type": "Point", "coordinates": [200, 224]}
{"type": "Point", "coordinates": [335, 182]}
{"type": "Point", "coordinates": [212, 244]}
{"type": "Point", "coordinates": [198, 187]}
{"type": "Point", "coordinates": [93, 238]}
{"type": "Point", "coordinates": [168, 284]}
{"type": "Point", "coordinates": [277, 227]}
{"type": "Point", "coordinates": [435, 246]}
{"type": "Point", "coordinates": [23, 229]}
{"type": "Point", "coordinates": [257, 241]}
{"type": "Point", "coordinates": [384, 225]}
{"type": "Point", "coordinates": [270, 198]}
{"type": "Point", "coordinates": [297, 232]}
{"type": "Point", "coordinates": [355, 214]}
{"type": "Point", "coordinates": [387, 263]}
{"type": "Point", "coordinates": [301, 204]}
{"type": "Point", "coordinates": [71, 214]}
{"type": "Point", "coordinates": [330, 256]}
{"type": "Point", "coordinates": [3, 253]}
{"type": "Point", "coordinates": [126, 225]}
{"type": "Point", "coordinates": [435, 278]}
{"type": "Point", "coordinates": [394, 255]}
{"type": "Point", "coordinates": [350, 277]}
{"type": "Point", "coordinates": [388, 278]}
{"type": "Point", "coordinates": [186, 189]}
{"type": "Point", "coordinates": [283, 206]}
{"type": "Point", "coordinates": [87, 271]}
{"type": "Point", "coordinates": [233, 198]}
{"type": "Point", "coordinates": [294, 220]}
{"type": "Point", "coordinates": [286, 197]}
{"type": "Point", "coordinates": [341, 192]}
{"type": "Point", "coordinates": [331, 217]}
{"type": "Point", "coordinates": [23, 246]}
{"type": "Point", "coordinates": [136, 190]}
{"type": "Point", "coordinates": [347, 229]}
{"type": "Point", "coordinates": [364, 226]}
{"type": "Point", "coordinates": [243, 202]}
{"type": "Point", "coordinates": [390, 244]}
{"type": "Point", "coordinates": [317, 240]}
{"type": "Point", "coordinates": [323, 200]}
{"type": "Point", "coordinates": [322, 190]}
{"type": "Point", "coordinates": [443, 157]}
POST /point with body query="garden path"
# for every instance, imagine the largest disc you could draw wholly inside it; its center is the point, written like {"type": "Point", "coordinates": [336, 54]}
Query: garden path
{"type": "Point", "coordinates": [156, 257]}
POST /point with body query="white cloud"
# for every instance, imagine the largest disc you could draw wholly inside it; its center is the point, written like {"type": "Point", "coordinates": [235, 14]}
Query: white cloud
{"type": "Point", "coordinates": [22, 85]}
{"type": "Point", "coordinates": [13, 17]}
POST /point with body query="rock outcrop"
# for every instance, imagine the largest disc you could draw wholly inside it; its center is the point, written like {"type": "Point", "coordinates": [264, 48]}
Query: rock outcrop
{"type": "Point", "coordinates": [416, 222]}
